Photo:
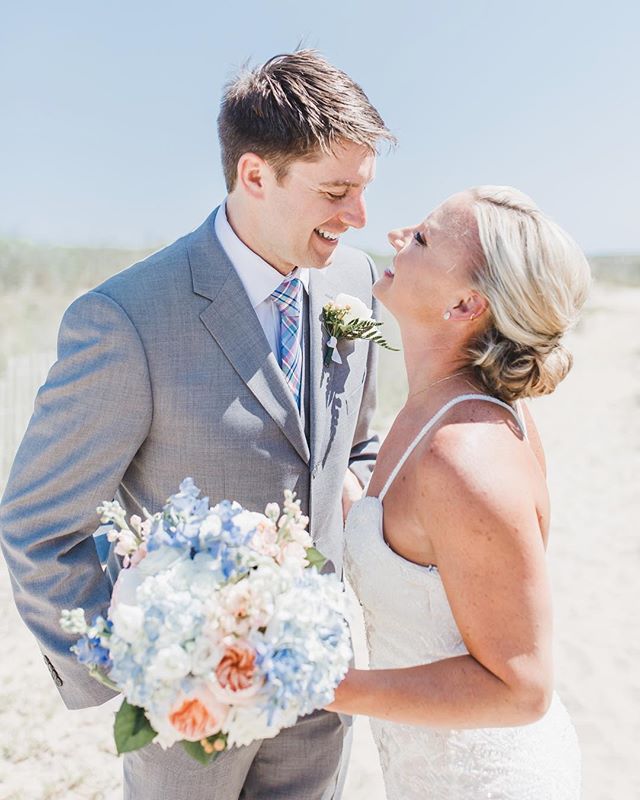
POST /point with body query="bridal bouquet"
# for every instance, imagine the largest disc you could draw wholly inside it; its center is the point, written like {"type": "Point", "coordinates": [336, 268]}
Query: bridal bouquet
{"type": "Point", "coordinates": [221, 629]}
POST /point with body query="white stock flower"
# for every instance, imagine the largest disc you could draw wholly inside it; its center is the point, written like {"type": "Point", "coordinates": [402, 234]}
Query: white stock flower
{"type": "Point", "coordinates": [127, 543]}
{"type": "Point", "coordinates": [73, 621]}
{"type": "Point", "coordinates": [293, 556]}
{"type": "Point", "coordinates": [300, 535]}
{"type": "Point", "coordinates": [112, 511]}
{"type": "Point", "coordinates": [265, 540]}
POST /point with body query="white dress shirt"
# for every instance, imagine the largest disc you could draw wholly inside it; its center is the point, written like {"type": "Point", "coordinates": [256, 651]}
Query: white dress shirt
{"type": "Point", "coordinates": [258, 278]}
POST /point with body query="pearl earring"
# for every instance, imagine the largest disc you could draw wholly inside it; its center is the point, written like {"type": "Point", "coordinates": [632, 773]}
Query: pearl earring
{"type": "Point", "coordinates": [446, 315]}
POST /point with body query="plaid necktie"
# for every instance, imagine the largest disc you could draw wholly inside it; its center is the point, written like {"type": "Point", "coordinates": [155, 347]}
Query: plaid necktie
{"type": "Point", "coordinates": [288, 299]}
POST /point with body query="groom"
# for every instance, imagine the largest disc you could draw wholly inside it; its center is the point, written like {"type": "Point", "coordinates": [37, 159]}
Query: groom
{"type": "Point", "coordinates": [206, 360]}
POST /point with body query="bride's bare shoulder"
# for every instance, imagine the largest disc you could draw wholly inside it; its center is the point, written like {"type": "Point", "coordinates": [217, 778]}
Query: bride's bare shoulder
{"type": "Point", "coordinates": [480, 447]}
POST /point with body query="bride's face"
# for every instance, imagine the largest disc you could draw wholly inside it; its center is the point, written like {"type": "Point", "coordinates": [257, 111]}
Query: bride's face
{"type": "Point", "coordinates": [431, 271]}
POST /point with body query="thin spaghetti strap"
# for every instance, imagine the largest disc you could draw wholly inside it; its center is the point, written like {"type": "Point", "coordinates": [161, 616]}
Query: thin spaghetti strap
{"type": "Point", "coordinates": [453, 402]}
{"type": "Point", "coordinates": [521, 418]}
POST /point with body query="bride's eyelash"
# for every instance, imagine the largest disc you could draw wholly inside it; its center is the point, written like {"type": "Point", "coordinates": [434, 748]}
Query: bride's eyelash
{"type": "Point", "coordinates": [419, 238]}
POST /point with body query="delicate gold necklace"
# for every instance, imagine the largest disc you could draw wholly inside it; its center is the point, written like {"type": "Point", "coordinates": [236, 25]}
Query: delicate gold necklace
{"type": "Point", "coordinates": [435, 383]}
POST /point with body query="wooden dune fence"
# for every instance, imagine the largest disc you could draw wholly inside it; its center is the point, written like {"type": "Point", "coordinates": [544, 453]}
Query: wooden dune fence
{"type": "Point", "coordinates": [19, 384]}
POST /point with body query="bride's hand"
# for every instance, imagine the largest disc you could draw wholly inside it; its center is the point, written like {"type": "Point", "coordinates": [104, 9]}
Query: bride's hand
{"type": "Point", "coordinates": [351, 492]}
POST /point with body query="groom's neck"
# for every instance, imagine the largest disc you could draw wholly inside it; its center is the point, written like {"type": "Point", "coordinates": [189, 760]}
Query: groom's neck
{"type": "Point", "coordinates": [247, 226]}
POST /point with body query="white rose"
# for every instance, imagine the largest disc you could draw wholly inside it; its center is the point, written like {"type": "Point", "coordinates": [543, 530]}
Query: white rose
{"type": "Point", "coordinates": [356, 309]}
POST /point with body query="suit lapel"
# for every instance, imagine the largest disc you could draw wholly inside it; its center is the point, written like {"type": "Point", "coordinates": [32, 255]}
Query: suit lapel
{"type": "Point", "coordinates": [232, 321]}
{"type": "Point", "coordinates": [322, 288]}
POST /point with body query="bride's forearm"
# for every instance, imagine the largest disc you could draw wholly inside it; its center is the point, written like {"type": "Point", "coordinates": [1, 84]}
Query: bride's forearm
{"type": "Point", "coordinates": [454, 693]}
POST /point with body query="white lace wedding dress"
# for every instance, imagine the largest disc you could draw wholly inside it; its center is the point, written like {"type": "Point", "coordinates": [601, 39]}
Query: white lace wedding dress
{"type": "Point", "coordinates": [409, 621]}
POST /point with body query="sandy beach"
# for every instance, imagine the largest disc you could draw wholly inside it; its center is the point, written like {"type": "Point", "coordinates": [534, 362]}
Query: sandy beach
{"type": "Point", "coordinates": [591, 431]}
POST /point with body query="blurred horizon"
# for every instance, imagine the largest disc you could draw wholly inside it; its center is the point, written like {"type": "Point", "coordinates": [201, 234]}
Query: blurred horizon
{"type": "Point", "coordinates": [142, 251]}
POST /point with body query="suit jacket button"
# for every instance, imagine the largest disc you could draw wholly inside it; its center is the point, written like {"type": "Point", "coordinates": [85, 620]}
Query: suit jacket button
{"type": "Point", "coordinates": [54, 673]}
{"type": "Point", "coordinates": [314, 472]}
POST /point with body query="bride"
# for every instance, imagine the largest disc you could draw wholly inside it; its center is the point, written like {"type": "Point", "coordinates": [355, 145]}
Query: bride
{"type": "Point", "coordinates": [452, 576]}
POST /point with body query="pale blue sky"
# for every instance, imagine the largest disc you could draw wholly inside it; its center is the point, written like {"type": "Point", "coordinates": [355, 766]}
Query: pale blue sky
{"type": "Point", "coordinates": [108, 133]}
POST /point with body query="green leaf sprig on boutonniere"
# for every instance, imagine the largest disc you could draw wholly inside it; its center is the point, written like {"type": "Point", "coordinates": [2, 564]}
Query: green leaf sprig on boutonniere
{"type": "Point", "coordinates": [348, 317]}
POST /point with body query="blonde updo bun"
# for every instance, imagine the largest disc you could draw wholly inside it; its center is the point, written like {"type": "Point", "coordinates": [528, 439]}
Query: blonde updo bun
{"type": "Point", "coordinates": [536, 280]}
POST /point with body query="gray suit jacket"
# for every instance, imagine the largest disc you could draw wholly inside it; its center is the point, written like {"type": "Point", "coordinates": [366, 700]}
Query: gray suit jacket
{"type": "Point", "coordinates": [164, 372]}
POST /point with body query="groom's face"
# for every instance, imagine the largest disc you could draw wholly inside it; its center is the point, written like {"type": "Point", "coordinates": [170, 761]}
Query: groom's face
{"type": "Point", "coordinates": [306, 212]}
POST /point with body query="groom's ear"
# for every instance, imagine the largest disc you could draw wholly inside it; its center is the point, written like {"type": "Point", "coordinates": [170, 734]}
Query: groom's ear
{"type": "Point", "coordinates": [251, 174]}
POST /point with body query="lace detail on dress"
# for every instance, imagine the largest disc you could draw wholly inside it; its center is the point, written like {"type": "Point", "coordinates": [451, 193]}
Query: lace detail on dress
{"type": "Point", "coordinates": [408, 621]}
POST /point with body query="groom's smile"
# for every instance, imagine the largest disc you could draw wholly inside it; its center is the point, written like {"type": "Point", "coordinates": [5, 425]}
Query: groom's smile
{"type": "Point", "coordinates": [305, 213]}
{"type": "Point", "coordinates": [329, 237]}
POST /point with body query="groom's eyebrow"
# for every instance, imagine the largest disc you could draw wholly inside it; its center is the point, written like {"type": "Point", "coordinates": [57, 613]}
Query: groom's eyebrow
{"type": "Point", "coordinates": [338, 183]}
{"type": "Point", "coordinates": [343, 183]}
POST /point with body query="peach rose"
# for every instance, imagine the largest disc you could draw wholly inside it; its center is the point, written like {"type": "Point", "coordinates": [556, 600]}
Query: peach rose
{"type": "Point", "coordinates": [198, 716]}
{"type": "Point", "coordinates": [236, 668]}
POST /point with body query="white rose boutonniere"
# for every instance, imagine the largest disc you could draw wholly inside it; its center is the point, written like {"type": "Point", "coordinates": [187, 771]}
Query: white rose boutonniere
{"type": "Point", "coordinates": [348, 317]}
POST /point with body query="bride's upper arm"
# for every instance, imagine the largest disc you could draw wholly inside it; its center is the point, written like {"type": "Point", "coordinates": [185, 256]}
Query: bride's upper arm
{"type": "Point", "coordinates": [481, 516]}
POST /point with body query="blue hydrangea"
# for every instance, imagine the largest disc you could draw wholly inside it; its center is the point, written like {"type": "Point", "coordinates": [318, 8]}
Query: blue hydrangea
{"type": "Point", "coordinates": [92, 649]}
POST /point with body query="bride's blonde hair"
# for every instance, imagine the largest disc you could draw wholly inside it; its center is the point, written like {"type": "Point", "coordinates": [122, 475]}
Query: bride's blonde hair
{"type": "Point", "coordinates": [536, 279]}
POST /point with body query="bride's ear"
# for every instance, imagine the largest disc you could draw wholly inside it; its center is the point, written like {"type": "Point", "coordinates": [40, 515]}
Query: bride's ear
{"type": "Point", "coordinates": [470, 307]}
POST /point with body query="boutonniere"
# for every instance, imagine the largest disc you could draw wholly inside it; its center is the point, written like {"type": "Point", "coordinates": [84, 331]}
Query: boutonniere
{"type": "Point", "coordinates": [347, 317]}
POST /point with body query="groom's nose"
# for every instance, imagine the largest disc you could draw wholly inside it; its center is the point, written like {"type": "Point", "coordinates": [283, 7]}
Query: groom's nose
{"type": "Point", "coordinates": [354, 214]}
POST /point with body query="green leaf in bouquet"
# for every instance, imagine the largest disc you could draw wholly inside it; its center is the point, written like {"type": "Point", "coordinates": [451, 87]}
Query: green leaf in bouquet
{"type": "Point", "coordinates": [315, 558]}
{"type": "Point", "coordinates": [131, 728]}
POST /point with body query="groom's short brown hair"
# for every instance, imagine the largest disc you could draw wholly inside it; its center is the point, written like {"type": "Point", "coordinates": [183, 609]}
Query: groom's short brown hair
{"type": "Point", "coordinates": [293, 107]}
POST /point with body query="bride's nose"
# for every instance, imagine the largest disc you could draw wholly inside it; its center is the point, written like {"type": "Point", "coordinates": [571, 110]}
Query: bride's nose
{"type": "Point", "coordinates": [397, 238]}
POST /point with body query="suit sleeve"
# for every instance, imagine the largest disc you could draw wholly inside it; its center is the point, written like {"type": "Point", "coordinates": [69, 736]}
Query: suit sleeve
{"type": "Point", "coordinates": [365, 446]}
{"type": "Point", "coordinates": [90, 418]}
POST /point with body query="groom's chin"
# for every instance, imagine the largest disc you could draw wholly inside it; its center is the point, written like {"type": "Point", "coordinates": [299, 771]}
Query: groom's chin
{"type": "Point", "coordinates": [321, 263]}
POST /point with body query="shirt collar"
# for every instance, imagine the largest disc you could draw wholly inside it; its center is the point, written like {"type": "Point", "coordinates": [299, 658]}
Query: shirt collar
{"type": "Point", "coordinates": [258, 277]}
